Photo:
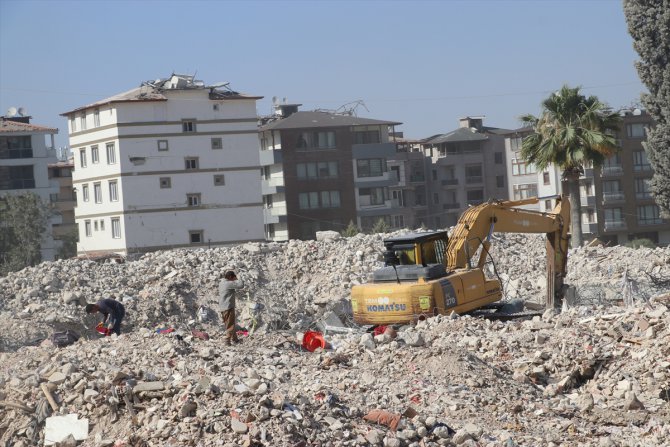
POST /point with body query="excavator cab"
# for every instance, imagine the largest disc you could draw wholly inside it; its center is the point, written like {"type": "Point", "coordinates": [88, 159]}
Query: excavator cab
{"type": "Point", "coordinates": [416, 249]}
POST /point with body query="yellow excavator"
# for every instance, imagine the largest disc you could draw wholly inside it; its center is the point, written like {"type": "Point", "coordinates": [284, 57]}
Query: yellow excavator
{"type": "Point", "coordinates": [429, 273]}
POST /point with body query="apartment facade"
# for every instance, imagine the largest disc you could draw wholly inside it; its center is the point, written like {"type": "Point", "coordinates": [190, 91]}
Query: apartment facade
{"type": "Point", "coordinates": [172, 163]}
{"type": "Point", "coordinates": [322, 170]}
{"type": "Point", "coordinates": [63, 201]}
{"type": "Point", "coordinates": [628, 210]}
{"type": "Point", "coordinates": [467, 168]}
{"type": "Point", "coordinates": [25, 152]}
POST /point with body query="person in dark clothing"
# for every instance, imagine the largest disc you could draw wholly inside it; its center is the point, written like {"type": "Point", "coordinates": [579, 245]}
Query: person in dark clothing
{"type": "Point", "coordinates": [113, 312]}
{"type": "Point", "coordinates": [227, 289]}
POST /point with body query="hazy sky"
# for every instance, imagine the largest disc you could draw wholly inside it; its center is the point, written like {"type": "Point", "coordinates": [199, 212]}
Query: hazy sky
{"type": "Point", "coordinates": [423, 63]}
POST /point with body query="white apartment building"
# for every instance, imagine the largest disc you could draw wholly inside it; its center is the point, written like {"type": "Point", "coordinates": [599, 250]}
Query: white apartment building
{"type": "Point", "coordinates": [172, 163]}
{"type": "Point", "coordinates": [25, 153]}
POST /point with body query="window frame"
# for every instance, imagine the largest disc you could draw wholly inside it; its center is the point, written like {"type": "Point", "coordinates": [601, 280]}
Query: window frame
{"type": "Point", "coordinates": [191, 160]}
{"type": "Point", "coordinates": [158, 145]}
{"type": "Point", "coordinates": [111, 160]}
{"type": "Point", "coordinates": [161, 181]}
{"type": "Point", "coordinates": [194, 200]}
{"type": "Point", "coordinates": [222, 177]}
{"type": "Point", "coordinates": [188, 125]}
{"type": "Point", "coordinates": [113, 186]}
{"type": "Point", "coordinates": [82, 157]}
{"type": "Point", "coordinates": [217, 141]}
{"type": "Point", "coordinates": [88, 229]}
{"type": "Point", "coordinates": [116, 227]}
{"type": "Point", "coordinates": [199, 233]}
{"type": "Point", "coordinates": [85, 194]}
{"type": "Point", "coordinates": [97, 192]}
{"type": "Point", "coordinates": [95, 154]}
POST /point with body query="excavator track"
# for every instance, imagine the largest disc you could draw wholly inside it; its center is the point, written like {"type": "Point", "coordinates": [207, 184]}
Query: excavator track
{"type": "Point", "coordinates": [502, 311]}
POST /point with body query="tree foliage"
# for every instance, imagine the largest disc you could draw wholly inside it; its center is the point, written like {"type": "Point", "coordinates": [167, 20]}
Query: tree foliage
{"type": "Point", "coordinates": [381, 226]}
{"type": "Point", "coordinates": [649, 26]}
{"type": "Point", "coordinates": [68, 249]}
{"type": "Point", "coordinates": [573, 130]}
{"type": "Point", "coordinates": [351, 230]}
{"type": "Point", "coordinates": [23, 220]}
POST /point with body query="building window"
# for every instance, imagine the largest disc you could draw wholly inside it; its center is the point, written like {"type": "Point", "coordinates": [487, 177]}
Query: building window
{"type": "Point", "coordinates": [366, 136]}
{"type": "Point", "coordinates": [188, 125]}
{"type": "Point", "coordinates": [165, 182]}
{"type": "Point", "coordinates": [613, 217]}
{"type": "Point", "coordinates": [648, 215]}
{"type": "Point", "coordinates": [524, 191]}
{"type": "Point", "coordinates": [640, 162]}
{"type": "Point", "coordinates": [515, 144]}
{"type": "Point", "coordinates": [16, 147]}
{"type": "Point", "coordinates": [613, 161]}
{"type": "Point", "coordinates": [191, 163]}
{"type": "Point", "coordinates": [95, 225]}
{"type": "Point", "coordinates": [196, 236]}
{"type": "Point", "coordinates": [642, 188]}
{"type": "Point", "coordinates": [498, 157]}
{"type": "Point", "coordinates": [322, 199]}
{"type": "Point", "coordinates": [87, 227]}
{"type": "Point", "coordinates": [436, 198]}
{"type": "Point", "coordinates": [316, 141]}
{"type": "Point", "coordinates": [116, 228]}
{"type": "Point", "coordinates": [17, 177]}
{"type": "Point", "coordinates": [520, 167]}
{"type": "Point", "coordinates": [73, 124]}
{"type": "Point", "coordinates": [95, 154]}
{"type": "Point", "coordinates": [219, 180]}
{"type": "Point", "coordinates": [113, 191]}
{"type": "Point", "coordinates": [217, 143]}
{"type": "Point", "coordinates": [399, 221]}
{"type": "Point", "coordinates": [545, 178]}
{"type": "Point", "coordinates": [102, 225]}
{"type": "Point", "coordinates": [473, 174]}
{"type": "Point", "coordinates": [322, 169]}
{"type": "Point", "coordinates": [82, 121]}
{"type": "Point", "coordinates": [589, 216]}
{"type": "Point", "coordinates": [193, 199]}
{"type": "Point", "coordinates": [96, 118]}
{"type": "Point", "coordinates": [635, 130]}
{"type": "Point", "coordinates": [475, 196]}
{"type": "Point", "coordinates": [97, 192]}
{"type": "Point", "coordinates": [371, 167]}
{"type": "Point", "coordinates": [84, 192]}
{"type": "Point", "coordinates": [372, 196]}
{"type": "Point", "coordinates": [82, 157]}
{"type": "Point", "coordinates": [547, 205]}
{"type": "Point", "coordinates": [111, 154]}
{"type": "Point", "coordinates": [215, 107]}
{"type": "Point", "coordinates": [586, 189]}
{"type": "Point", "coordinates": [162, 145]}
{"type": "Point", "coordinates": [500, 181]}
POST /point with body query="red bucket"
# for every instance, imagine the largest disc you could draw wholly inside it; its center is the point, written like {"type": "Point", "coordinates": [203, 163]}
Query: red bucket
{"type": "Point", "coordinates": [102, 330]}
{"type": "Point", "coordinates": [313, 340]}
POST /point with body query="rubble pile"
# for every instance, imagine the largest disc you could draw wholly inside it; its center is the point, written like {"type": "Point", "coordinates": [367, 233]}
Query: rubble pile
{"type": "Point", "coordinates": [594, 375]}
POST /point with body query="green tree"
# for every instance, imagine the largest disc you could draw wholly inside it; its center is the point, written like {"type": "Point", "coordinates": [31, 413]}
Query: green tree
{"type": "Point", "coordinates": [23, 220]}
{"type": "Point", "coordinates": [640, 243]}
{"type": "Point", "coordinates": [572, 130]}
{"type": "Point", "coordinates": [649, 26]}
{"type": "Point", "coordinates": [381, 226]}
{"type": "Point", "coordinates": [351, 230]}
{"type": "Point", "coordinates": [68, 249]}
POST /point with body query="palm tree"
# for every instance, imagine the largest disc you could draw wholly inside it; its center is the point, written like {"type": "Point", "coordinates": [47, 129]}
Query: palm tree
{"type": "Point", "coordinates": [572, 131]}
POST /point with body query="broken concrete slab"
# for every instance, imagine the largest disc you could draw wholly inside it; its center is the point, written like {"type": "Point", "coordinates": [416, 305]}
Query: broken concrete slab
{"type": "Point", "coordinates": [58, 428]}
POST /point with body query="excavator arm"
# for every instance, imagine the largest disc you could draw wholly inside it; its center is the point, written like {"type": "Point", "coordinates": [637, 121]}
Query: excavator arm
{"type": "Point", "coordinates": [478, 223]}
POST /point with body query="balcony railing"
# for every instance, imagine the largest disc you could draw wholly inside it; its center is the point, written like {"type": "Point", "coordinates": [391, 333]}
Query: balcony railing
{"type": "Point", "coordinates": [644, 195]}
{"type": "Point", "coordinates": [450, 182]}
{"type": "Point", "coordinates": [650, 221]}
{"type": "Point", "coordinates": [642, 168]}
{"type": "Point", "coordinates": [473, 179]}
{"type": "Point", "coordinates": [451, 206]}
{"type": "Point", "coordinates": [612, 170]}
{"type": "Point", "coordinates": [615, 196]}
{"type": "Point", "coordinates": [417, 178]}
{"type": "Point", "coordinates": [613, 225]}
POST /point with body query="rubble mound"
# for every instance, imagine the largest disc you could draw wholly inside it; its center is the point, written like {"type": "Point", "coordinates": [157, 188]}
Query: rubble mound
{"type": "Point", "coordinates": [596, 374]}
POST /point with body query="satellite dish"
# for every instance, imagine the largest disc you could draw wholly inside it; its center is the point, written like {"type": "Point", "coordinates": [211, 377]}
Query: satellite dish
{"type": "Point", "coordinates": [22, 111]}
{"type": "Point", "coordinates": [11, 111]}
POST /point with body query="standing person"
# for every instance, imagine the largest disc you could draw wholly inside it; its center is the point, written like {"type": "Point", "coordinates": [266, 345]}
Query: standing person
{"type": "Point", "coordinates": [113, 312]}
{"type": "Point", "coordinates": [227, 288]}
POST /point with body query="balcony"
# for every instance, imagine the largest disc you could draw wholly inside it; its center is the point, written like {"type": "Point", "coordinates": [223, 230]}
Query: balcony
{"type": "Point", "coordinates": [613, 197]}
{"type": "Point", "coordinates": [450, 182]}
{"type": "Point", "coordinates": [590, 228]}
{"type": "Point", "coordinates": [451, 206]}
{"type": "Point", "coordinates": [270, 157]}
{"type": "Point", "coordinates": [642, 168]}
{"type": "Point", "coordinates": [417, 178]}
{"type": "Point", "coordinates": [644, 195]}
{"type": "Point", "coordinates": [272, 185]}
{"type": "Point", "coordinates": [473, 179]}
{"type": "Point", "coordinates": [276, 214]}
{"type": "Point", "coordinates": [589, 201]}
{"type": "Point", "coordinates": [615, 225]}
{"type": "Point", "coordinates": [612, 171]}
{"type": "Point", "coordinates": [588, 173]}
{"type": "Point", "coordinates": [650, 221]}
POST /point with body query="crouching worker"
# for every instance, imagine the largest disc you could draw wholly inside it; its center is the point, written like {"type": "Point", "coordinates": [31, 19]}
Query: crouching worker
{"type": "Point", "coordinates": [113, 312]}
{"type": "Point", "coordinates": [227, 289]}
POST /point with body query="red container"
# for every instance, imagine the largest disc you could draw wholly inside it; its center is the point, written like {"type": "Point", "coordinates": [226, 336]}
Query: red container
{"type": "Point", "coordinates": [102, 329]}
{"type": "Point", "coordinates": [312, 340]}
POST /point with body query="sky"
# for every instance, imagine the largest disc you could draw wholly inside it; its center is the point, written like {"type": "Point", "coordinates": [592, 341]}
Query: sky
{"type": "Point", "coordinates": [422, 63]}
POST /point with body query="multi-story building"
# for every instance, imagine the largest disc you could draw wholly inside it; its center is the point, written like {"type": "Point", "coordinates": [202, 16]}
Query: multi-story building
{"type": "Point", "coordinates": [64, 200]}
{"type": "Point", "coordinates": [322, 170]}
{"type": "Point", "coordinates": [172, 163]}
{"type": "Point", "coordinates": [628, 210]}
{"type": "Point", "coordinates": [25, 152]}
{"type": "Point", "coordinates": [467, 168]}
{"type": "Point", "coordinates": [616, 203]}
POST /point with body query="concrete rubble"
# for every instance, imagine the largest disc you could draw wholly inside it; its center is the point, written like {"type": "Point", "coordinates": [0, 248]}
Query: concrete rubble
{"type": "Point", "coordinates": [595, 374]}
